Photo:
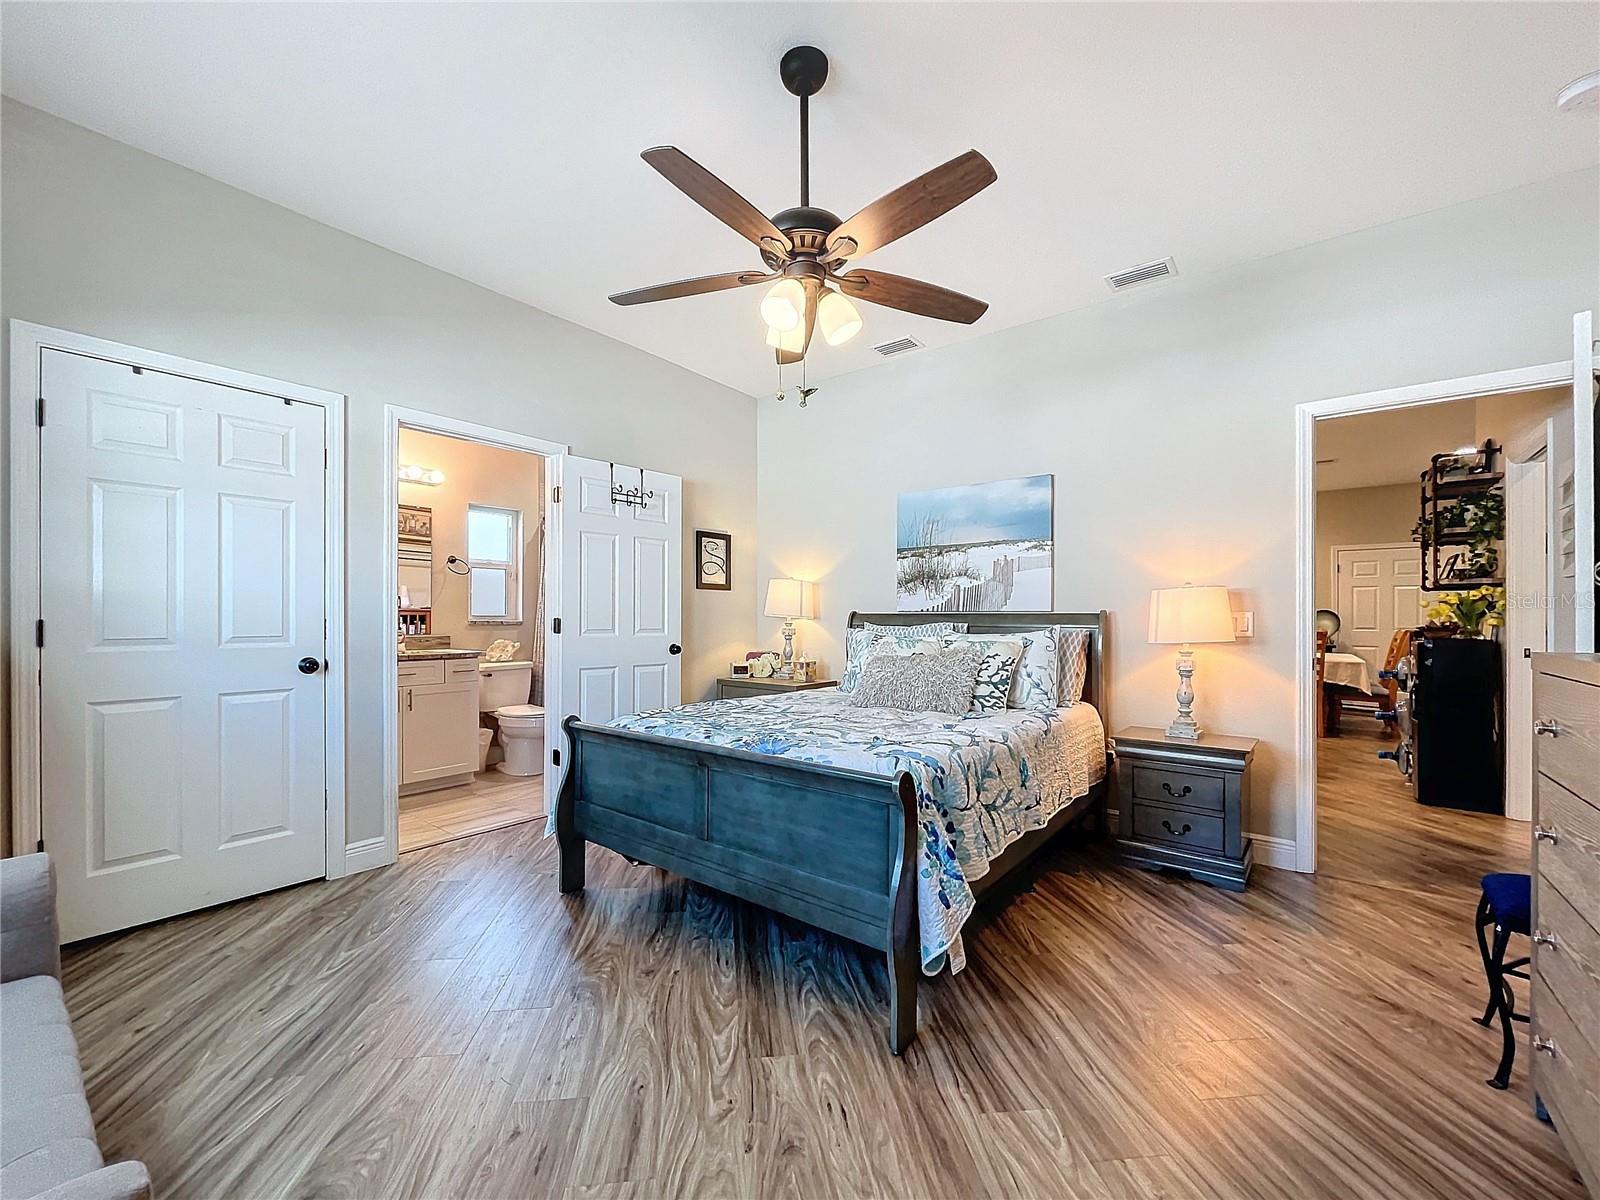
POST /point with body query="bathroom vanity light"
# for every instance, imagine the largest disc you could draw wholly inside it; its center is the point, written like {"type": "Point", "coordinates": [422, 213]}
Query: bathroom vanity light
{"type": "Point", "coordinates": [426, 476]}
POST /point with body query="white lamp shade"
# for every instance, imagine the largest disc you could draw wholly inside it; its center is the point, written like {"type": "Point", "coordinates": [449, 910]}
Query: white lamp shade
{"type": "Point", "coordinates": [838, 318]}
{"type": "Point", "coordinates": [785, 305]}
{"type": "Point", "coordinates": [792, 599]}
{"type": "Point", "coordinates": [792, 340]}
{"type": "Point", "coordinates": [1190, 614]}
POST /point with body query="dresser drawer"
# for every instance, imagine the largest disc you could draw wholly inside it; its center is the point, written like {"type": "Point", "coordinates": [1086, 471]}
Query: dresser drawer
{"type": "Point", "coordinates": [1566, 846]}
{"type": "Point", "coordinates": [460, 670]}
{"type": "Point", "coordinates": [1571, 755]}
{"type": "Point", "coordinates": [1177, 826]}
{"type": "Point", "coordinates": [1569, 961]}
{"type": "Point", "coordinates": [1567, 1079]}
{"type": "Point", "coordinates": [1189, 789]}
{"type": "Point", "coordinates": [427, 671]}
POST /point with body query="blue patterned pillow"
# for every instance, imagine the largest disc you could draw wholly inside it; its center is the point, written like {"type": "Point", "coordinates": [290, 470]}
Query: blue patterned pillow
{"type": "Point", "coordinates": [1036, 683]}
{"type": "Point", "coordinates": [992, 692]}
{"type": "Point", "coordinates": [857, 641]}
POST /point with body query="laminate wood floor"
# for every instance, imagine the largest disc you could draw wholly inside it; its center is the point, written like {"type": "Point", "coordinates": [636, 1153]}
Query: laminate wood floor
{"type": "Point", "coordinates": [452, 1027]}
{"type": "Point", "coordinates": [492, 800]}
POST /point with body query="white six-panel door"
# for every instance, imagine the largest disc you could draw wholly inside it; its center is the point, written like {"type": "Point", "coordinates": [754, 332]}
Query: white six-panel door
{"type": "Point", "coordinates": [1379, 590]}
{"type": "Point", "coordinates": [181, 740]}
{"type": "Point", "coordinates": [622, 597]}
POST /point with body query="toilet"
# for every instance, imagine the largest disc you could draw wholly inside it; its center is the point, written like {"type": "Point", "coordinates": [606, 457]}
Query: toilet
{"type": "Point", "coordinates": [503, 689]}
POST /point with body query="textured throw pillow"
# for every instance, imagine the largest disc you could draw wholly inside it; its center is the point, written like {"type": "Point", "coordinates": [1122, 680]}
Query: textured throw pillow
{"type": "Point", "coordinates": [1074, 648]}
{"type": "Point", "coordinates": [858, 641]}
{"type": "Point", "coordinates": [992, 691]}
{"type": "Point", "coordinates": [1036, 683]}
{"type": "Point", "coordinates": [941, 681]}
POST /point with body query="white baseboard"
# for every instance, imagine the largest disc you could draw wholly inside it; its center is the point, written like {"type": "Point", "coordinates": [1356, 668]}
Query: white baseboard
{"type": "Point", "coordinates": [366, 855]}
{"type": "Point", "coordinates": [1273, 852]}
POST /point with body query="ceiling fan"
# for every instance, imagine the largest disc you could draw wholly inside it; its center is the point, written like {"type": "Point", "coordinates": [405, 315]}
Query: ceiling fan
{"type": "Point", "coordinates": [806, 248]}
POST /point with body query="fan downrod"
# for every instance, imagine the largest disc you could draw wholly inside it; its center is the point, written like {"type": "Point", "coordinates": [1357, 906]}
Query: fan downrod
{"type": "Point", "coordinates": [804, 70]}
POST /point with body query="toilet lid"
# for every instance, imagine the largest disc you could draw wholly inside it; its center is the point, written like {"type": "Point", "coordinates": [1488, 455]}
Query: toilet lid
{"type": "Point", "coordinates": [519, 710]}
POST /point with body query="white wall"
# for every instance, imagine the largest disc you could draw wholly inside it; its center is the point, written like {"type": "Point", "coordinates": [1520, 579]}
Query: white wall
{"type": "Point", "coordinates": [1359, 517]}
{"type": "Point", "coordinates": [1166, 417]}
{"type": "Point", "coordinates": [106, 240]}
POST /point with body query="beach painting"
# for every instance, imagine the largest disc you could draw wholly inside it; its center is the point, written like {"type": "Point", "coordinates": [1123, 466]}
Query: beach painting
{"type": "Point", "coordinates": [984, 547]}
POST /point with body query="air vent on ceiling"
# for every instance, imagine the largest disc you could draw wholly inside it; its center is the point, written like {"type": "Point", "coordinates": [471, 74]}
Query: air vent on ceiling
{"type": "Point", "coordinates": [1143, 273]}
{"type": "Point", "coordinates": [898, 346]}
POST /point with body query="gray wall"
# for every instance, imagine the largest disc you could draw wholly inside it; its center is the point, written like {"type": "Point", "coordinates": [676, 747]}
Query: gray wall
{"type": "Point", "coordinates": [1167, 418]}
{"type": "Point", "coordinates": [106, 240]}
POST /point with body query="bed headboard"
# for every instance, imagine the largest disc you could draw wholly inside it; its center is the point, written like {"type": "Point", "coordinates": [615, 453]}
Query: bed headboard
{"type": "Point", "coordinates": [1096, 689]}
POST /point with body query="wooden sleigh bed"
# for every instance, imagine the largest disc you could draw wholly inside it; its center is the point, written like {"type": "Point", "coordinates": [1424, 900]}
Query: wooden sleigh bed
{"type": "Point", "coordinates": [831, 847]}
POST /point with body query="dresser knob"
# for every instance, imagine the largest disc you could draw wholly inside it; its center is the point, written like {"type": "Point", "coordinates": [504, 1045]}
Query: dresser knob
{"type": "Point", "coordinates": [1541, 834]}
{"type": "Point", "coordinates": [1541, 938]}
{"type": "Point", "coordinates": [1547, 727]}
{"type": "Point", "coordinates": [1545, 1045]}
{"type": "Point", "coordinates": [1167, 825]}
{"type": "Point", "coordinates": [1167, 788]}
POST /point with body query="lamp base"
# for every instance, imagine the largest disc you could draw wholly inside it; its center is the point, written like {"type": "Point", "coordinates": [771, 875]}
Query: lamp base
{"type": "Point", "coordinates": [1183, 728]}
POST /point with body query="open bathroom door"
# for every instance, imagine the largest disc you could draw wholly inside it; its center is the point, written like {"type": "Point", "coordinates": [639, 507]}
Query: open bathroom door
{"type": "Point", "coordinates": [620, 616]}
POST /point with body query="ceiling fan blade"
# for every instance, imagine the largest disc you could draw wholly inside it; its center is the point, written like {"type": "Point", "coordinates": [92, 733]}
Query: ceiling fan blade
{"type": "Point", "coordinates": [717, 198]}
{"type": "Point", "coordinates": [691, 287]}
{"type": "Point", "coordinates": [813, 295]}
{"type": "Point", "coordinates": [911, 295]}
{"type": "Point", "coordinates": [911, 206]}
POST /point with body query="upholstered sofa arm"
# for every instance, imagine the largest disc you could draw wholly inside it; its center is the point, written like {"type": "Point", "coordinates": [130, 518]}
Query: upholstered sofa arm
{"type": "Point", "coordinates": [119, 1181]}
{"type": "Point", "coordinates": [30, 940]}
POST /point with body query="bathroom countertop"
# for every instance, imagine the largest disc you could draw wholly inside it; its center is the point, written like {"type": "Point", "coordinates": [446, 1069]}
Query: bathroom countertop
{"type": "Point", "coordinates": [424, 655]}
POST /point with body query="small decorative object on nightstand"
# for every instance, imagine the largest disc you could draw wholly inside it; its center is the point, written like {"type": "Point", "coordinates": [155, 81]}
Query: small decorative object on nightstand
{"type": "Point", "coordinates": [735, 689]}
{"type": "Point", "coordinates": [1181, 804]}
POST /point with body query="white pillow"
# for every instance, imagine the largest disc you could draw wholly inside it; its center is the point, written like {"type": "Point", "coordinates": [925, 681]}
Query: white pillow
{"type": "Point", "coordinates": [858, 641]}
{"type": "Point", "coordinates": [1036, 683]}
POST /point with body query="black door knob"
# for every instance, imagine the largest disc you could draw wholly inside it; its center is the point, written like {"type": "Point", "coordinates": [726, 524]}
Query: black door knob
{"type": "Point", "coordinates": [309, 665]}
{"type": "Point", "coordinates": [674, 649]}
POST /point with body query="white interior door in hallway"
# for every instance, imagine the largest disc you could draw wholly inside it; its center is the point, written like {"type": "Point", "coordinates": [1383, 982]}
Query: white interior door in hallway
{"type": "Point", "coordinates": [181, 685]}
{"type": "Point", "coordinates": [622, 593]}
{"type": "Point", "coordinates": [1378, 590]}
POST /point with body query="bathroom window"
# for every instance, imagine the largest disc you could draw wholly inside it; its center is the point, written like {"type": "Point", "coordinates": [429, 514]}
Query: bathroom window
{"type": "Point", "coordinates": [494, 563]}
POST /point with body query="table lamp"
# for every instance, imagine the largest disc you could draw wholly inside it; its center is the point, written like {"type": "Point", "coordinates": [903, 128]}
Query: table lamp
{"type": "Point", "coordinates": [1182, 616]}
{"type": "Point", "coordinates": [793, 600]}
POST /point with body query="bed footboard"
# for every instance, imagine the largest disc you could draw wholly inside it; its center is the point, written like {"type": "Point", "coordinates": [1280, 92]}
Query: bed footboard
{"type": "Point", "coordinates": [841, 856]}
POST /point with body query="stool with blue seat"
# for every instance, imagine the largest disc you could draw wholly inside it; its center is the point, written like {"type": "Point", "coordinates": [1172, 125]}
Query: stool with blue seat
{"type": "Point", "coordinates": [1507, 906]}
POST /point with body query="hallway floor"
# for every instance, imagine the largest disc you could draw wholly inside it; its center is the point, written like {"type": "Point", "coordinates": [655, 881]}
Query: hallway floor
{"type": "Point", "coordinates": [490, 801]}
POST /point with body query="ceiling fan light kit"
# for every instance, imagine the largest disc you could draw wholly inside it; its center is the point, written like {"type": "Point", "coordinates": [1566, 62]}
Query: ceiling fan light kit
{"type": "Point", "coordinates": [806, 248]}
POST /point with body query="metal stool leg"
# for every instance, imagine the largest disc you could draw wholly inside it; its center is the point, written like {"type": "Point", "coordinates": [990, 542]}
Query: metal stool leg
{"type": "Point", "coordinates": [1484, 919]}
{"type": "Point", "coordinates": [1508, 1050]}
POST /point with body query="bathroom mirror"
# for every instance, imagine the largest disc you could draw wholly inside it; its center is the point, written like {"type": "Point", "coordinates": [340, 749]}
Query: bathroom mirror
{"type": "Point", "coordinates": [416, 557]}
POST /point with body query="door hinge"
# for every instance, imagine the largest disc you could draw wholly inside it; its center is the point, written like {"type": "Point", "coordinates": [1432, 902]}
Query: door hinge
{"type": "Point", "coordinates": [41, 845]}
{"type": "Point", "coordinates": [38, 633]}
{"type": "Point", "coordinates": [555, 494]}
{"type": "Point", "coordinates": [324, 459]}
{"type": "Point", "coordinates": [555, 758]}
{"type": "Point", "coordinates": [555, 625]}
{"type": "Point", "coordinates": [38, 412]}
{"type": "Point", "coordinates": [324, 799]}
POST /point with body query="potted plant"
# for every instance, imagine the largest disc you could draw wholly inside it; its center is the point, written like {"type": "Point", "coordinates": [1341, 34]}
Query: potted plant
{"type": "Point", "coordinates": [1474, 614]}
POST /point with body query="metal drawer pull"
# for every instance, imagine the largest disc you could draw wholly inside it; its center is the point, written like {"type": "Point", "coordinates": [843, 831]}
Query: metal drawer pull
{"type": "Point", "coordinates": [1541, 834]}
{"type": "Point", "coordinates": [1540, 938]}
{"type": "Point", "coordinates": [1545, 1046]}
{"type": "Point", "coordinates": [1547, 726]}
{"type": "Point", "coordinates": [1167, 825]}
{"type": "Point", "coordinates": [1167, 788]}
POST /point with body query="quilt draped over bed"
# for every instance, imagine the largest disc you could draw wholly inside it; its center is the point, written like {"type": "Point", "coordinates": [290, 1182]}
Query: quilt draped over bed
{"type": "Point", "coordinates": [982, 780]}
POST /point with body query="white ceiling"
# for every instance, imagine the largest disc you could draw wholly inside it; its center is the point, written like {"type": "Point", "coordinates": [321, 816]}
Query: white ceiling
{"type": "Point", "coordinates": [1377, 449]}
{"type": "Point", "coordinates": [501, 142]}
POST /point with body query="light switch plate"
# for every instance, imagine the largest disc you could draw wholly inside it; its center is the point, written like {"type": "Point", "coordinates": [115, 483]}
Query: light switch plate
{"type": "Point", "coordinates": [1244, 624]}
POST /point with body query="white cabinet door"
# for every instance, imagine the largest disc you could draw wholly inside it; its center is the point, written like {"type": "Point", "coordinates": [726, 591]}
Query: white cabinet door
{"type": "Point", "coordinates": [438, 731]}
{"type": "Point", "coordinates": [181, 746]}
{"type": "Point", "coordinates": [621, 594]}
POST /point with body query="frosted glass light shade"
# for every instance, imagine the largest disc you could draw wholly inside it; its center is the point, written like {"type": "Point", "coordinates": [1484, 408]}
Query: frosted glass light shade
{"type": "Point", "coordinates": [838, 318]}
{"type": "Point", "coordinates": [792, 599]}
{"type": "Point", "coordinates": [1190, 614]}
{"type": "Point", "coordinates": [792, 340]}
{"type": "Point", "coordinates": [784, 307]}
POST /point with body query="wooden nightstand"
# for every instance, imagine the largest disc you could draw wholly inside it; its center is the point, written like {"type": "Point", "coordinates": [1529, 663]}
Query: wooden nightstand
{"type": "Point", "coordinates": [1181, 805]}
{"type": "Point", "coordinates": [729, 688]}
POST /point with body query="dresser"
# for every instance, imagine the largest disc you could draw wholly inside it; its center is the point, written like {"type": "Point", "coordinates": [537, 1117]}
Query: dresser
{"type": "Point", "coordinates": [1565, 1006]}
{"type": "Point", "coordinates": [1181, 805]}
{"type": "Point", "coordinates": [730, 688]}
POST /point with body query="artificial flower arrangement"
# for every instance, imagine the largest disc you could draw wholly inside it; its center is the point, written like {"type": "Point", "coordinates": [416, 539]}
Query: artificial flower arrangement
{"type": "Point", "coordinates": [1472, 613]}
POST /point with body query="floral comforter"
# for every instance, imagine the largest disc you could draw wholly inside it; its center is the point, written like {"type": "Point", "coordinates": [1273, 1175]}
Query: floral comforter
{"type": "Point", "coordinates": [982, 780]}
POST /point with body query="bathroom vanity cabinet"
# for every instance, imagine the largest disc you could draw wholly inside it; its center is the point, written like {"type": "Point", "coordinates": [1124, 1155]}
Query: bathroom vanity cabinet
{"type": "Point", "coordinates": [438, 723]}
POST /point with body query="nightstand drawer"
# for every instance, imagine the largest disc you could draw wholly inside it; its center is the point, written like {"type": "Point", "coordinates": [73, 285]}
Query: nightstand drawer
{"type": "Point", "coordinates": [1190, 789]}
{"type": "Point", "coordinates": [1177, 826]}
{"type": "Point", "coordinates": [1566, 848]}
{"type": "Point", "coordinates": [1570, 752]}
{"type": "Point", "coordinates": [1567, 958]}
{"type": "Point", "coordinates": [1567, 1074]}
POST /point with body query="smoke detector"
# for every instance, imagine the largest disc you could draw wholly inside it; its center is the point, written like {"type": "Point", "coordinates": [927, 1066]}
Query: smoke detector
{"type": "Point", "coordinates": [1144, 273]}
{"type": "Point", "coordinates": [1583, 92]}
